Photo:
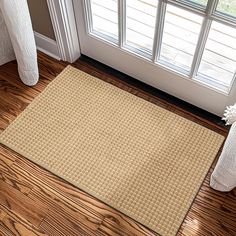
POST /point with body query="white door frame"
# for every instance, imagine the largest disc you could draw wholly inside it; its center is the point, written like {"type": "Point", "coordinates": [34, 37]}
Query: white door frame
{"type": "Point", "coordinates": [64, 25]}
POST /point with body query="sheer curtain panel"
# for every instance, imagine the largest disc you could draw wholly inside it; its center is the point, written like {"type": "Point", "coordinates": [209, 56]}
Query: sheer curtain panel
{"type": "Point", "coordinates": [17, 39]}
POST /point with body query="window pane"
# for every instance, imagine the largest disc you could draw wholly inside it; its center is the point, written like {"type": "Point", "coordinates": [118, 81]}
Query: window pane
{"type": "Point", "coordinates": [180, 36]}
{"type": "Point", "coordinates": [227, 7]}
{"type": "Point", "coordinates": [140, 24]}
{"type": "Point", "coordinates": [199, 2]}
{"type": "Point", "coordinates": [219, 57]}
{"type": "Point", "coordinates": [105, 17]}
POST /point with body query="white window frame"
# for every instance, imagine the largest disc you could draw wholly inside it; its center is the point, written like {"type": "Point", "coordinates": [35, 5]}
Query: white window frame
{"type": "Point", "coordinates": [208, 13]}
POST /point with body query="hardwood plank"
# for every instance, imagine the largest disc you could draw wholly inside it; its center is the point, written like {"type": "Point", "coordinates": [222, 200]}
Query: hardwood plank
{"type": "Point", "coordinates": [13, 225]}
{"type": "Point", "coordinates": [49, 67]}
{"type": "Point", "coordinates": [6, 115]}
{"type": "Point", "coordinates": [9, 73]}
{"type": "Point", "coordinates": [78, 214]}
{"type": "Point", "coordinates": [7, 155]}
{"type": "Point", "coordinates": [10, 178]}
{"type": "Point", "coordinates": [58, 224]}
{"type": "Point", "coordinates": [5, 231]}
{"type": "Point", "coordinates": [9, 227]}
{"type": "Point", "coordinates": [13, 200]}
{"type": "Point", "coordinates": [14, 91]}
{"type": "Point", "coordinates": [118, 224]}
{"type": "Point", "coordinates": [13, 102]}
{"type": "Point", "coordinates": [2, 214]}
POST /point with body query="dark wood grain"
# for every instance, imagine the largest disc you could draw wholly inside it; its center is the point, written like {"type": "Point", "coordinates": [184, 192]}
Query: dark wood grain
{"type": "Point", "coordinates": [36, 202]}
{"type": "Point", "coordinates": [14, 200]}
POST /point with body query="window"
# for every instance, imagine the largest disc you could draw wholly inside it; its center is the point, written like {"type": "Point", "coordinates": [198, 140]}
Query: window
{"type": "Point", "coordinates": [196, 38]}
{"type": "Point", "coordinates": [218, 62]}
{"type": "Point", "coordinates": [180, 37]}
{"type": "Point", "coordinates": [104, 18]}
{"type": "Point", "coordinates": [140, 24]}
{"type": "Point", "coordinates": [227, 7]}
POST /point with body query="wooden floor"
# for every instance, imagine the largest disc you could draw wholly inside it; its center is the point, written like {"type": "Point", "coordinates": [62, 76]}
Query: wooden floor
{"type": "Point", "coordinates": [35, 202]}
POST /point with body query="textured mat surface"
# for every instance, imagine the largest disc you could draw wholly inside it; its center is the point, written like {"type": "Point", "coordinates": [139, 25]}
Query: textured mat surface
{"type": "Point", "coordinates": [139, 158]}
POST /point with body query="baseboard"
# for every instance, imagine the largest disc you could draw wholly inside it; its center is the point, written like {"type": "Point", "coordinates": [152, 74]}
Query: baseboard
{"type": "Point", "coordinates": [47, 45]}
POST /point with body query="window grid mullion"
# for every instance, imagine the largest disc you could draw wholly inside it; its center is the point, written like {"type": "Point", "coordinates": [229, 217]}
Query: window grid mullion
{"type": "Point", "coordinates": [206, 25]}
{"type": "Point", "coordinates": [191, 7]}
{"type": "Point", "coordinates": [160, 19]}
{"type": "Point", "coordinates": [232, 82]}
{"type": "Point", "coordinates": [88, 15]}
{"type": "Point", "coordinates": [224, 20]}
{"type": "Point", "coordinates": [122, 22]}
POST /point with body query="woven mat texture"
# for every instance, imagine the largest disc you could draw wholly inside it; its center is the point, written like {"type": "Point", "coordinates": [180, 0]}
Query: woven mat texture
{"type": "Point", "coordinates": [143, 160]}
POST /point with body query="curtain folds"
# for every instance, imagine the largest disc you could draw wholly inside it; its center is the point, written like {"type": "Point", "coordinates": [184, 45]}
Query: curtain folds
{"type": "Point", "coordinates": [17, 39]}
{"type": "Point", "coordinates": [223, 177]}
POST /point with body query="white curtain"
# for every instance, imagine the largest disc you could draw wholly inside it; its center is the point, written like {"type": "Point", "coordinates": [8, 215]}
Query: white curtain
{"type": "Point", "coordinates": [223, 177]}
{"type": "Point", "coordinates": [17, 39]}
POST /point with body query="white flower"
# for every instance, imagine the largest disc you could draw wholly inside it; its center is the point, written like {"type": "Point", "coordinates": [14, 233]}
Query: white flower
{"type": "Point", "coordinates": [230, 115]}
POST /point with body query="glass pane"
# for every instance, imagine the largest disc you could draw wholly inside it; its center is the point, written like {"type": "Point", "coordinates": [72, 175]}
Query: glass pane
{"type": "Point", "coordinates": [140, 24]}
{"type": "Point", "coordinates": [227, 7]}
{"type": "Point", "coordinates": [105, 17]}
{"type": "Point", "coordinates": [180, 36]}
{"type": "Point", "coordinates": [199, 2]}
{"type": "Point", "coordinates": [219, 57]}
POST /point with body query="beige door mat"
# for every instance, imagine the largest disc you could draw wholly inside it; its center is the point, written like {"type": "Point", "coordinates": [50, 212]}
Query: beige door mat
{"type": "Point", "coordinates": [143, 160]}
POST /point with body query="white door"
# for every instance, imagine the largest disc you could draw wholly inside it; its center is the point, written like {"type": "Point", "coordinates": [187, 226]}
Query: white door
{"type": "Point", "coordinates": [185, 48]}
